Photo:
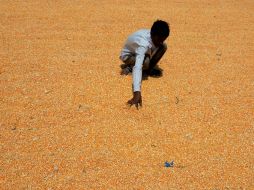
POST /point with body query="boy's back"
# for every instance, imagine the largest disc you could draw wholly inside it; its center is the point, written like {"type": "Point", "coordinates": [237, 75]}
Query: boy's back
{"type": "Point", "coordinates": [140, 38]}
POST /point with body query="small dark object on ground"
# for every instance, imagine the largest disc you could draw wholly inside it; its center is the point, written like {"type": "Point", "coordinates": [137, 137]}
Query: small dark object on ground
{"type": "Point", "coordinates": [169, 164]}
{"type": "Point", "coordinates": [177, 100]}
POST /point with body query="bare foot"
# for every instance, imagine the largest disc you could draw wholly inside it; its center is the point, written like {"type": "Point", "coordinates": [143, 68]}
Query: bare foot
{"type": "Point", "coordinates": [126, 71]}
{"type": "Point", "coordinates": [156, 73]}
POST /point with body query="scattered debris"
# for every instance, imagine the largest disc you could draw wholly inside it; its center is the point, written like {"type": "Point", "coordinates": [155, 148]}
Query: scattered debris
{"type": "Point", "coordinates": [56, 168]}
{"type": "Point", "coordinates": [169, 164]}
{"type": "Point", "coordinates": [13, 127]}
{"type": "Point", "coordinates": [48, 176]}
{"type": "Point", "coordinates": [189, 136]}
{"type": "Point", "coordinates": [35, 138]}
{"type": "Point", "coordinates": [164, 99]}
{"type": "Point", "coordinates": [83, 107]}
{"type": "Point", "coordinates": [52, 154]}
{"type": "Point", "coordinates": [85, 132]}
{"type": "Point", "coordinates": [180, 166]}
{"type": "Point", "coordinates": [32, 129]}
{"type": "Point", "coordinates": [47, 91]}
{"type": "Point", "coordinates": [177, 100]}
{"type": "Point", "coordinates": [29, 187]}
{"type": "Point", "coordinates": [218, 56]}
{"type": "Point", "coordinates": [84, 170]}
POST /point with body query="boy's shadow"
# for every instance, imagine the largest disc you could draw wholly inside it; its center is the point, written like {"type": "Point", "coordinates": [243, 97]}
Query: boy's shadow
{"type": "Point", "coordinates": [157, 72]}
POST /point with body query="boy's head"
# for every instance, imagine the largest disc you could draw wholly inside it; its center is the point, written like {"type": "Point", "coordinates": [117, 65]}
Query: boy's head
{"type": "Point", "coordinates": [159, 32]}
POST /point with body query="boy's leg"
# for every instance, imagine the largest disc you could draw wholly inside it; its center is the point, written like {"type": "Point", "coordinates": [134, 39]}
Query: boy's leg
{"type": "Point", "coordinates": [130, 61]}
{"type": "Point", "coordinates": [157, 56]}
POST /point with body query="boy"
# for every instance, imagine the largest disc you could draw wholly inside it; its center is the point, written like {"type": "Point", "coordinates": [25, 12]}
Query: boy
{"type": "Point", "coordinates": [142, 51]}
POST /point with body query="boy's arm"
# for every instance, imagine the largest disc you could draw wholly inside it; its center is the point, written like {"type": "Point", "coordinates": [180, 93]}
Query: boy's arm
{"type": "Point", "coordinates": [137, 77]}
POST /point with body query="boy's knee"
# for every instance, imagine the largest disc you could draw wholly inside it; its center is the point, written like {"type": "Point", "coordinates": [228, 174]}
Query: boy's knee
{"type": "Point", "coordinates": [164, 47]}
{"type": "Point", "coordinates": [129, 60]}
{"type": "Point", "coordinates": [146, 62]}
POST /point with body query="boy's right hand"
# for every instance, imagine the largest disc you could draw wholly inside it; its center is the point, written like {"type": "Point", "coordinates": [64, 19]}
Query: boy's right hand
{"type": "Point", "coordinates": [137, 99]}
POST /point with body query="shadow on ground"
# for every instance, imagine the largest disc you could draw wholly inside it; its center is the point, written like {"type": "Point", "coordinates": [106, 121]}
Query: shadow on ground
{"type": "Point", "coordinates": [157, 72]}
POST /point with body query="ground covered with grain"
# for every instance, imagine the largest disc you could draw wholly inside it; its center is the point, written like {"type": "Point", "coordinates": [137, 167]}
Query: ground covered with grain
{"type": "Point", "coordinates": [63, 119]}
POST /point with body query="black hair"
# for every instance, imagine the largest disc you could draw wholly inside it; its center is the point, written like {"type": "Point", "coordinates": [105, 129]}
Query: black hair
{"type": "Point", "coordinates": [160, 28]}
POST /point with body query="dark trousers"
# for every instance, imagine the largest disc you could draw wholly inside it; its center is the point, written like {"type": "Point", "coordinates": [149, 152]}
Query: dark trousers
{"type": "Point", "coordinates": [148, 63]}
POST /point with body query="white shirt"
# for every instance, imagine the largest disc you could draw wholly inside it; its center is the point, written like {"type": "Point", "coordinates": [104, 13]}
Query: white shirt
{"type": "Point", "coordinates": [138, 44]}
